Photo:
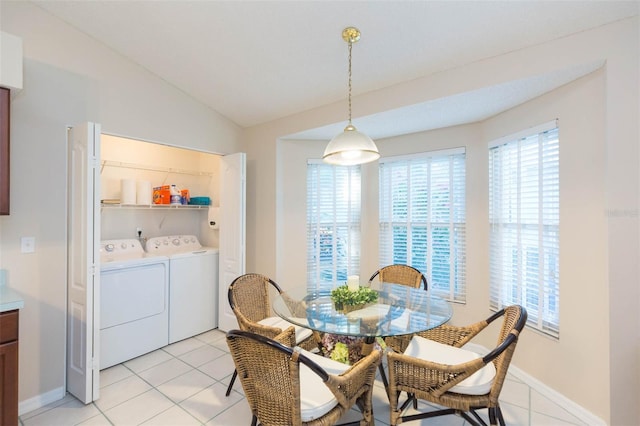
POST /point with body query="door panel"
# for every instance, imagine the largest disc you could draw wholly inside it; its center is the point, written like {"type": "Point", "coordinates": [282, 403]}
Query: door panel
{"type": "Point", "coordinates": [83, 268]}
{"type": "Point", "coordinates": [232, 232]}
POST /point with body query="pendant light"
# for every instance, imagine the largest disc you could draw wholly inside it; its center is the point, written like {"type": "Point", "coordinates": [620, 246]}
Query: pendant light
{"type": "Point", "coordinates": [350, 147]}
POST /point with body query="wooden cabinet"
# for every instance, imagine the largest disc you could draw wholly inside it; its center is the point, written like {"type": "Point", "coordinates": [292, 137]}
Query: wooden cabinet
{"type": "Point", "coordinates": [9, 368]}
{"type": "Point", "coordinates": [4, 151]}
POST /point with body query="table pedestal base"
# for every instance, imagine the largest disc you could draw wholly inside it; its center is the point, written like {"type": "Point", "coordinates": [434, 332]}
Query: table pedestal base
{"type": "Point", "coordinates": [367, 345]}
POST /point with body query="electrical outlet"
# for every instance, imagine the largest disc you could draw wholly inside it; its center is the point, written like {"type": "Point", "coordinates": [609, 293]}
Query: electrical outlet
{"type": "Point", "coordinates": [28, 244]}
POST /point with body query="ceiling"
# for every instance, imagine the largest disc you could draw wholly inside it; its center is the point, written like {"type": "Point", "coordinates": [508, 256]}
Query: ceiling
{"type": "Point", "coordinates": [257, 61]}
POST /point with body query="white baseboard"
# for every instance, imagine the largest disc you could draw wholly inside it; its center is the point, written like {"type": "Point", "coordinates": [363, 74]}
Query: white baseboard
{"type": "Point", "coordinates": [40, 401]}
{"type": "Point", "coordinates": [578, 411]}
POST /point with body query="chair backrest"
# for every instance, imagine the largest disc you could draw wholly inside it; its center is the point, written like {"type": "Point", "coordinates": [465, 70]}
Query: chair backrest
{"type": "Point", "coordinates": [249, 294]}
{"type": "Point", "coordinates": [514, 320]}
{"type": "Point", "coordinates": [270, 376]}
{"type": "Point", "coordinates": [401, 274]}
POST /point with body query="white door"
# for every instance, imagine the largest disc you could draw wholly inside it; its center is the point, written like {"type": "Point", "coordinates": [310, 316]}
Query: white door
{"type": "Point", "coordinates": [83, 263]}
{"type": "Point", "coordinates": [232, 232]}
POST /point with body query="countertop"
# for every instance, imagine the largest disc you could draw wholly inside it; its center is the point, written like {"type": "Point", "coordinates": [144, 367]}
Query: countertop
{"type": "Point", "coordinates": [9, 299]}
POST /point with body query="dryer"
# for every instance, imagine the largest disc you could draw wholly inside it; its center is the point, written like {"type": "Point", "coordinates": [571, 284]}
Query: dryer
{"type": "Point", "coordinates": [193, 284]}
{"type": "Point", "coordinates": [134, 301]}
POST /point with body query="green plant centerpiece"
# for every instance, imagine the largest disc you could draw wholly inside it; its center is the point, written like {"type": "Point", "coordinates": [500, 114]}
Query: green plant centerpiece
{"type": "Point", "coordinates": [346, 300]}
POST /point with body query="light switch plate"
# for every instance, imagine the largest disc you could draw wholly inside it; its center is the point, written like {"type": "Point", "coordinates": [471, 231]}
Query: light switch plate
{"type": "Point", "coordinates": [28, 244]}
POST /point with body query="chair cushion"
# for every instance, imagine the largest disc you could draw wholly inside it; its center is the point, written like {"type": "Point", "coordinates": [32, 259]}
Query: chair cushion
{"type": "Point", "coordinates": [301, 332]}
{"type": "Point", "coordinates": [377, 310]}
{"type": "Point", "coordinates": [479, 383]}
{"type": "Point", "coordinates": [316, 399]}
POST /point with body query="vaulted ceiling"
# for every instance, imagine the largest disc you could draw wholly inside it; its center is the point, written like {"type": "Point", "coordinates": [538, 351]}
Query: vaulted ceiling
{"type": "Point", "coordinates": [257, 61]}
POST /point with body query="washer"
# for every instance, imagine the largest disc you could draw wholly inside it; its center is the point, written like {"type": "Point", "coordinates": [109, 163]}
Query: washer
{"type": "Point", "coordinates": [193, 284]}
{"type": "Point", "coordinates": [134, 301]}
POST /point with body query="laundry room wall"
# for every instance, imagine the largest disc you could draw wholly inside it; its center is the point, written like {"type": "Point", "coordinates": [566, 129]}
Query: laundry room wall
{"type": "Point", "coordinates": [136, 161]}
{"type": "Point", "coordinates": [70, 78]}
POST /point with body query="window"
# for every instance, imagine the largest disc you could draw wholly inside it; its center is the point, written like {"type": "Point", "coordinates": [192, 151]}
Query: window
{"type": "Point", "coordinates": [333, 223]}
{"type": "Point", "coordinates": [422, 217]}
{"type": "Point", "coordinates": [524, 225]}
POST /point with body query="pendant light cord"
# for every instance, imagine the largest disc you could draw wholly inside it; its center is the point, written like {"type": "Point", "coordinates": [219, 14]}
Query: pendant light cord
{"type": "Point", "coordinates": [350, 147]}
{"type": "Point", "coordinates": [350, 46]}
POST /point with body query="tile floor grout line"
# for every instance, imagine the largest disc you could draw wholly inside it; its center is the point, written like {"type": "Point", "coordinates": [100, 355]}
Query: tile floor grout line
{"type": "Point", "coordinates": [99, 411]}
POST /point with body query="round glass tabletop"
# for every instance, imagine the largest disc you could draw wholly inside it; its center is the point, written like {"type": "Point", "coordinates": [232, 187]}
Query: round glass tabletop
{"type": "Point", "coordinates": [398, 310]}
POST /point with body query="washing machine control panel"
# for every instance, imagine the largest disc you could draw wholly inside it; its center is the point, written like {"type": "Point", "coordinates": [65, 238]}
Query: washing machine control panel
{"type": "Point", "coordinates": [117, 249]}
{"type": "Point", "coordinates": [171, 244]}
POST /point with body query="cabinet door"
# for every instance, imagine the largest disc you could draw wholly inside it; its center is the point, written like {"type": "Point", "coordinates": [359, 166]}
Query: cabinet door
{"type": "Point", "coordinates": [9, 384]}
{"type": "Point", "coordinates": [4, 151]}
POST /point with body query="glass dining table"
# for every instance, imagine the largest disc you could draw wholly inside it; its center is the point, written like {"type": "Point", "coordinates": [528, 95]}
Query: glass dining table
{"type": "Point", "coordinates": [399, 310]}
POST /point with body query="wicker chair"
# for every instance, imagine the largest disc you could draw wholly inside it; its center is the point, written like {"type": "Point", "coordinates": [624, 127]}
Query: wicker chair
{"type": "Point", "coordinates": [405, 275]}
{"type": "Point", "coordinates": [291, 386]}
{"type": "Point", "coordinates": [249, 298]}
{"type": "Point", "coordinates": [437, 369]}
{"type": "Point", "coordinates": [400, 274]}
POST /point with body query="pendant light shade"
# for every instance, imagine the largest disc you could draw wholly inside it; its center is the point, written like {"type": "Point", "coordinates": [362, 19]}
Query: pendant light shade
{"type": "Point", "coordinates": [350, 147]}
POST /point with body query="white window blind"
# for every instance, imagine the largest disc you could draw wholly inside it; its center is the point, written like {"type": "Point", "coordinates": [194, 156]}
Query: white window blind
{"type": "Point", "coordinates": [422, 217]}
{"type": "Point", "coordinates": [524, 225]}
{"type": "Point", "coordinates": [333, 224]}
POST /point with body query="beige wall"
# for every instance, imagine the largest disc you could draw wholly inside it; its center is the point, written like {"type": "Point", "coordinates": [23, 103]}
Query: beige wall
{"type": "Point", "coordinates": [583, 260]}
{"type": "Point", "coordinates": [129, 100]}
{"type": "Point", "coordinates": [69, 79]}
{"type": "Point", "coordinates": [595, 362]}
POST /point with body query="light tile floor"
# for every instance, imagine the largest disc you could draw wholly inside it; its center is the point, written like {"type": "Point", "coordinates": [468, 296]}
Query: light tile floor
{"type": "Point", "coordinates": [184, 384]}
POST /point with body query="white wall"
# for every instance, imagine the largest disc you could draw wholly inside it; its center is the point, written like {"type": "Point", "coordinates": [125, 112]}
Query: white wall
{"type": "Point", "coordinates": [69, 79]}
{"type": "Point", "coordinates": [595, 363]}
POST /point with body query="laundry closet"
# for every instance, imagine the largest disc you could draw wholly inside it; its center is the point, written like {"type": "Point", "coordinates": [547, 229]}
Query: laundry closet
{"type": "Point", "coordinates": [159, 246]}
{"type": "Point", "coordinates": [156, 235]}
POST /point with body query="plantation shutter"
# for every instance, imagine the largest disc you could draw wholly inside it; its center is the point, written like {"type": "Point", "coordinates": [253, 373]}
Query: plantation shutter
{"type": "Point", "coordinates": [422, 217]}
{"type": "Point", "coordinates": [524, 224]}
{"type": "Point", "coordinates": [333, 223]}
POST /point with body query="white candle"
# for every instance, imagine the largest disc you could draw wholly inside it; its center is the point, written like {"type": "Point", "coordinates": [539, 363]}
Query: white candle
{"type": "Point", "coordinates": [353, 282]}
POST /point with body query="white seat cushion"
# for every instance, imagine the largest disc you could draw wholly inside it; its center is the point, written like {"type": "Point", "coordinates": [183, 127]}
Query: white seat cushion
{"type": "Point", "coordinates": [402, 322]}
{"type": "Point", "coordinates": [301, 332]}
{"type": "Point", "coordinates": [377, 310]}
{"type": "Point", "coordinates": [479, 383]}
{"type": "Point", "coordinates": [316, 399]}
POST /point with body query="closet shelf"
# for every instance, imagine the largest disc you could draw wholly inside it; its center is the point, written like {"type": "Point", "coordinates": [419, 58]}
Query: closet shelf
{"type": "Point", "coordinates": [154, 206]}
{"type": "Point", "coordinates": [121, 164]}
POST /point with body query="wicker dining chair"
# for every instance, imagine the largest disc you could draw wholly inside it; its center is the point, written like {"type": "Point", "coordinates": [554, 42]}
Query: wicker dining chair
{"type": "Point", "coordinates": [405, 275]}
{"type": "Point", "coordinates": [250, 300]}
{"type": "Point", "coordinates": [292, 386]}
{"type": "Point", "coordinates": [400, 274]}
{"type": "Point", "coordinates": [436, 367]}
